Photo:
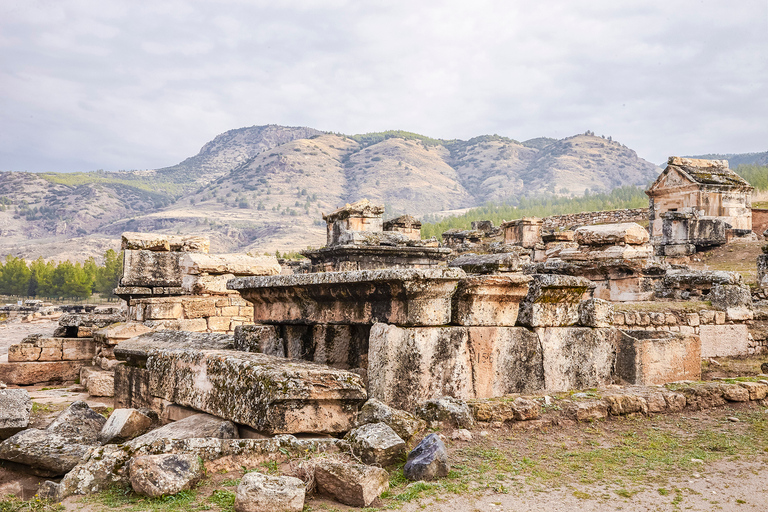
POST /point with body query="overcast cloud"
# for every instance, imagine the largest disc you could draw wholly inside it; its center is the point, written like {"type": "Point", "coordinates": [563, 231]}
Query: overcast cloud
{"type": "Point", "coordinates": [88, 85]}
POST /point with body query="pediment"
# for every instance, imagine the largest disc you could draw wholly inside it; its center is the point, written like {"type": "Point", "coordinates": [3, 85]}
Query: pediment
{"type": "Point", "coordinates": [671, 177]}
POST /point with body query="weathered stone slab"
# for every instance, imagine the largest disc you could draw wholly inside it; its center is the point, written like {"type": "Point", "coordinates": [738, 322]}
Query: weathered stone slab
{"type": "Point", "coordinates": [52, 349]}
{"type": "Point", "coordinates": [259, 338]}
{"type": "Point", "coordinates": [553, 300]}
{"type": "Point", "coordinates": [340, 346]}
{"type": "Point", "coordinates": [657, 357]}
{"type": "Point", "coordinates": [164, 243]}
{"type": "Point", "coordinates": [491, 263]}
{"type": "Point", "coordinates": [724, 340]}
{"type": "Point", "coordinates": [101, 383]}
{"type": "Point", "coordinates": [25, 374]}
{"type": "Point", "coordinates": [15, 406]}
{"type": "Point", "coordinates": [735, 300]}
{"type": "Point", "coordinates": [410, 365]}
{"type": "Point", "coordinates": [151, 268]}
{"type": "Point", "coordinates": [237, 264]}
{"type": "Point", "coordinates": [376, 443]}
{"type": "Point", "coordinates": [402, 297]}
{"type": "Point", "coordinates": [124, 424]}
{"type": "Point", "coordinates": [490, 300]}
{"type": "Point", "coordinates": [267, 393]}
{"type": "Point", "coordinates": [596, 313]}
{"type": "Point", "coordinates": [136, 351]}
{"type": "Point", "coordinates": [206, 284]}
{"type": "Point", "coordinates": [115, 333]}
{"type": "Point", "coordinates": [191, 427]}
{"type": "Point", "coordinates": [577, 357]}
{"type": "Point", "coordinates": [90, 319]}
{"type": "Point", "coordinates": [612, 234]}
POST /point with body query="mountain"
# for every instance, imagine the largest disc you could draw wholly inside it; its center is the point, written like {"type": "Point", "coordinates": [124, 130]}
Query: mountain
{"type": "Point", "coordinates": [736, 159]}
{"type": "Point", "coordinates": [263, 188]}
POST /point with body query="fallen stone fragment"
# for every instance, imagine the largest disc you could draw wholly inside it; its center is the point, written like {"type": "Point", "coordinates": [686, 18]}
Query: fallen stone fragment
{"type": "Point", "coordinates": [101, 383]}
{"type": "Point", "coordinates": [48, 452]}
{"type": "Point", "coordinates": [163, 475]}
{"type": "Point", "coordinates": [195, 426]}
{"type": "Point", "coordinates": [405, 424]}
{"type": "Point", "coordinates": [428, 461]}
{"type": "Point", "coordinates": [462, 434]}
{"type": "Point", "coordinates": [447, 410]}
{"type": "Point", "coordinates": [78, 421]}
{"type": "Point", "coordinates": [376, 443]}
{"type": "Point", "coordinates": [259, 493]}
{"type": "Point", "coordinates": [124, 424]}
{"type": "Point", "coordinates": [612, 234]}
{"type": "Point", "coordinates": [351, 484]}
{"type": "Point", "coordinates": [15, 406]}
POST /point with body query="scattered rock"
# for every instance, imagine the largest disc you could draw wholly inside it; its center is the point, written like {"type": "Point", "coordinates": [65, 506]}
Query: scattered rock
{"type": "Point", "coordinates": [429, 460]}
{"type": "Point", "coordinates": [123, 425]}
{"type": "Point", "coordinates": [352, 484]}
{"type": "Point", "coordinates": [197, 425]}
{"type": "Point", "coordinates": [461, 434]}
{"type": "Point", "coordinates": [163, 475]}
{"type": "Point", "coordinates": [447, 410]}
{"type": "Point", "coordinates": [403, 423]}
{"type": "Point", "coordinates": [587, 410]}
{"type": "Point", "coordinates": [101, 383]}
{"type": "Point", "coordinates": [764, 367]}
{"type": "Point", "coordinates": [48, 453]}
{"type": "Point", "coordinates": [15, 406]}
{"type": "Point", "coordinates": [79, 421]}
{"type": "Point", "coordinates": [376, 443]}
{"type": "Point", "coordinates": [733, 419]}
{"type": "Point", "coordinates": [259, 493]}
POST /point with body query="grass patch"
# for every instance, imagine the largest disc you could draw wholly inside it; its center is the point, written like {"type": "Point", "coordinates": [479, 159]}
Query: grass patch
{"type": "Point", "coordinates": [126, 499]}
{"type": "Point", "coordinates": [13, 504]}
{"type": "Point", "coordinates": [225, 500]}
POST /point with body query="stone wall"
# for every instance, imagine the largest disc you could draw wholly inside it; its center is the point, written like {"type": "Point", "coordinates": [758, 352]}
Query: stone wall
{"type": "Point", "coordinates": [589, 218]}
{"type": "Point", "coordinates": [719, 336]}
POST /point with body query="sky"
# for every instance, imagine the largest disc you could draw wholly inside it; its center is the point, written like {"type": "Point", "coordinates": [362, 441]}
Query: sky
{"type": "Point", "coordinates": [120, 85]}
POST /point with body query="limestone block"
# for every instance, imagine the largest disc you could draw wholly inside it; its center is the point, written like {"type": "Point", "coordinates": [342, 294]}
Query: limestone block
{"type": "Point", "coordinates": [403, 423]}
{"type": "Point", "coordinates": [46, 451]}
{"type": "Point", "coordinates": [446, 410]}
{"type": "Point", "coordinates": [220, 324]}
{"type": "Point", "coordinates": [553, 300]}
{"type": "Point", "coordinates": [27, 373]}
{"type": "Point", "coordinates": [407, 366]}
{"type": "Point", "coordinates": [490, 300]}
{"type": "Point", "coordinates": [237, 264]}
{"type": "Point", "coordinates": [735, 300]}
{"type": "Point", "coordinates": [163, 309]}
{"type": "Point", "coordinates": [123, 425]}
{"type": "Point", "coordinates": [609, 253]}
{"type": "Point", "coordinates": [145, 242]}
{"type": "Point", "coordinates": [77, 349]}
{"type": "Point", "coordinates": [101, 383]}
{"type": "Point", "coordinates": [267, 393]}
{"type": "Point", "coordinates": [166, 474]}
{"type": "Point", "coordinates": [577, 357]}
{"type": "Point", "coordinates": [587, 410]}
{"type": "Point", "coordinates": [191, 427]}
{"type": "Point", "coordinates": [656, 357]}
{"type": "Point", "coordinates": [395, 296]}
{"type": "Point", "coordinates": [724, 340]}
{"type": "Point", "coordinates": [612, 234]}
{"type": "Point", "coordinates": [259, 338]}
{"type": "Point", "coordinates": [352, 484]}
{"type": "Point", "coordinates": [258, 492]}
{"type": "Point", "coordinates": [193, 325]}
{"type": "Point", "coordinates": [376, 443]}
{"type": "Point", "coordinates": [198, 284]}
{"type": "Point", "coordinates": [90, 319]}
{"type": "Point", "coordinates": [151, 268]}
{"type": "Point", "coordinates": [115, 333]}
{"type": "Point", "coordinates": [596, 313]}
{"type": "Point", "coordinates": [15, 406]}
{"type": "Point", "coordinates": [199, 307]}
{"type": "Point", "coordinates": [757, 390]}
{"type": "Point", "coordinates": [428, 460]}
{"type": "Point", "coordinates": [491, 263]}
{"type": "Point", "coordinates": [189, 243]}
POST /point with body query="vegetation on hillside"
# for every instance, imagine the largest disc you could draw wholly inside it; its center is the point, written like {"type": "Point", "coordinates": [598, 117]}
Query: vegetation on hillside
{"type": "Point", "coordinates": [369, 139]}
{"type": "Point", "coordinates": [153, 185]}
{"type": "Point", "coordinates": [65, 279]}
{"type": "Point", "coordinates": [756, 175]}
{"type": "Point", "coordinates": [538, 206]}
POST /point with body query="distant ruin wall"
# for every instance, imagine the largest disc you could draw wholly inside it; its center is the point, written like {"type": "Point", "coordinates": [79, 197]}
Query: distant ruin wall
{"type": "Point", "coordinates": [589, 218]}
{"type": "Point", "coordinates": [759, 220]}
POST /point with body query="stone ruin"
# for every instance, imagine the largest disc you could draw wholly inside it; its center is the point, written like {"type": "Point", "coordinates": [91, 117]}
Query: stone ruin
{"type": "Point", "coordinates": [696, 204]}
{"type": "Point", "coordinates": [229, 344]}
{"type": "Point", "coordinates": [358, 239]}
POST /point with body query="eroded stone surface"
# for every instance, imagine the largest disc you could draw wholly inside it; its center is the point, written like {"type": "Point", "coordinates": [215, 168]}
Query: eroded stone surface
{"type": "Point", "coordinates": [196, 426]}
{"type": "Point", "coordinates": [164, 475]}
{"type": "Point", "coordinates": [489, 300]}
{"type": "Point", "coordinates": [376, 443]}
{"type": "Point", "coordinates": [356, 485]}
{"type": "Point", "coordinates": [577, 357]}
{"type": "Point", "coordinates": [258, 492]}
{"type": "Point", "coordinates": [15, 406]}
{"type": "Point", "coordinates": [401, 296]}
{"type": "Point", "coordinates": [553, 300]}
{"type": "Point", "coordinates": [449, 410]}
{"type": "Point", "coordinates": [123, 425]}
{"type": "Point", "coordinates": [658, 357]}
{"type": "Point", "coordinates": [612, 234]}
{"type": "Point", "coordinates": [237, 264]}
{"type": "Point", "coordinates": [403, 423]}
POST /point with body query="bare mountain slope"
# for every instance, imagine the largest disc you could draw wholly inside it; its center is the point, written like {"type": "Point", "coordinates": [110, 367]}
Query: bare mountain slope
{"type": "Point", "coordinates": [264, 188]}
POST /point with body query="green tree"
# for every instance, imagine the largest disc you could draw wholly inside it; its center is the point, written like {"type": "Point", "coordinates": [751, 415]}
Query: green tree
{"type": "Point", "coordinates": [14, 276]}
{"type": "Point", "coordinates": [40, 280]}
{"type": "Point", "coordinates": [108, 276]}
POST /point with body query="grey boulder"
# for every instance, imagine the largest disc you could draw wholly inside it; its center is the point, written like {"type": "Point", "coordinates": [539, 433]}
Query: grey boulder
{"type": "Point", "coordinates": [428, 461]}
{"type": "Point", "coordinates": [15, 406]}
{"type": "Point", "coordinates": [163, 475]}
